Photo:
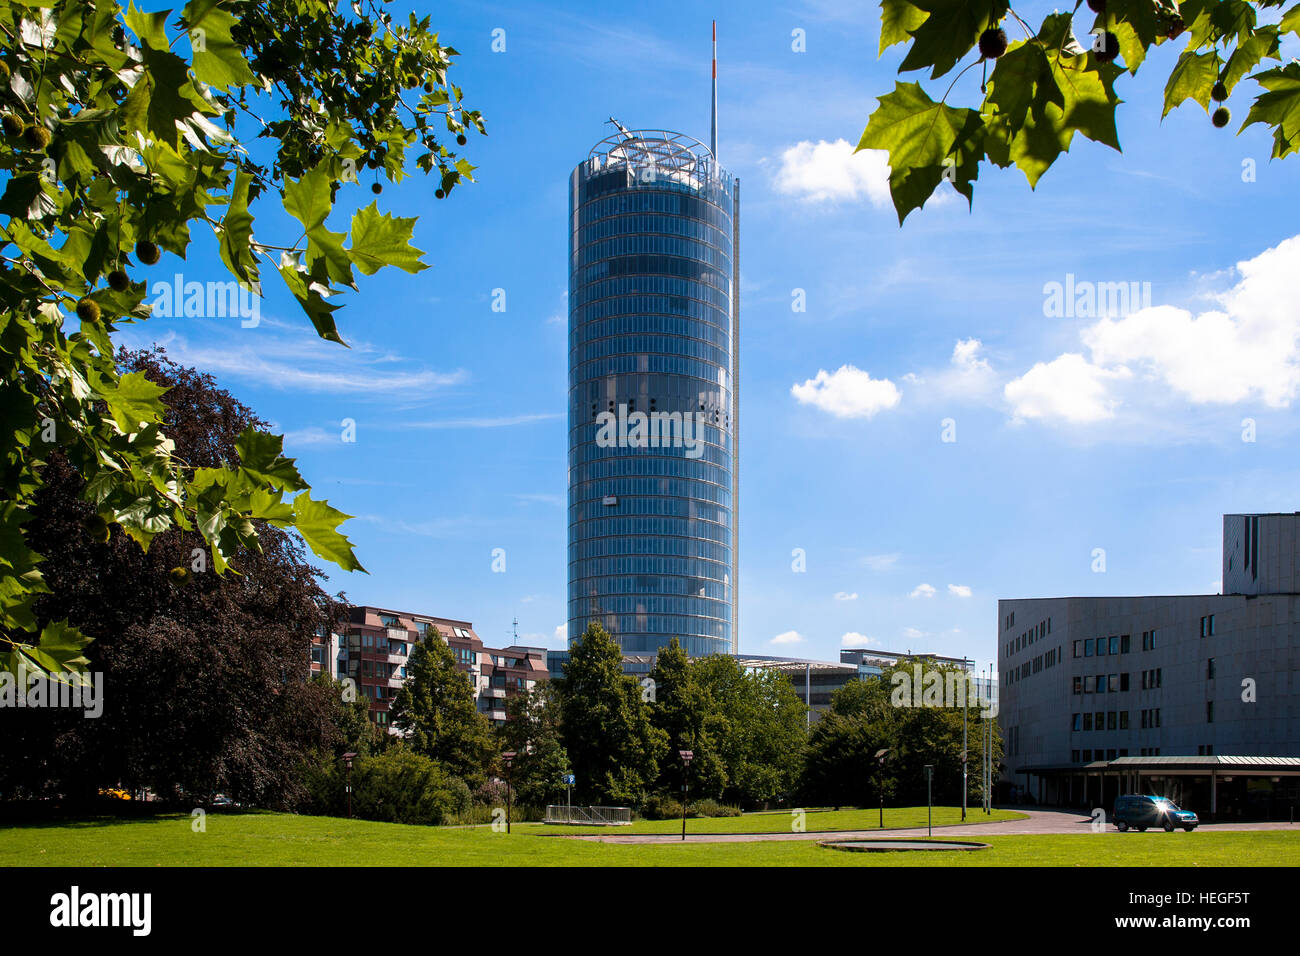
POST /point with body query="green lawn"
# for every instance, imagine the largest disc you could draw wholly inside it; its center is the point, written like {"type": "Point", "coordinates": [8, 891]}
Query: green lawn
{"type": "Point", "coordinates": [269, 839]}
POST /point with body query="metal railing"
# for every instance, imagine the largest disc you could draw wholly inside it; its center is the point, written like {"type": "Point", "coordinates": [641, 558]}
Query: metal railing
{"type": "Point", "coordinates": [592, 816]}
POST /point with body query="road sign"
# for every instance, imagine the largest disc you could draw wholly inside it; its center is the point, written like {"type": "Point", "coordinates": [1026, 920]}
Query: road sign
{"type": "Point", "coordinates": [568, 780]}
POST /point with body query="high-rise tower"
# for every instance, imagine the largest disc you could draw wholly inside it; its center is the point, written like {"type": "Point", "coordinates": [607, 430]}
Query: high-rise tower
{"type": "Point", "coordinates": [653, 329]}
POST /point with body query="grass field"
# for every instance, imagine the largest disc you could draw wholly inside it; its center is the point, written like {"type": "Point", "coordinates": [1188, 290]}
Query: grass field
{"type": "Point", "coordinates": [268, 839]}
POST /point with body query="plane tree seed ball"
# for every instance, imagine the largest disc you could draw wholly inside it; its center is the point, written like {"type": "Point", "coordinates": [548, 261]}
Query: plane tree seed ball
{"type": "Point", "coordinates": [88, 310]}
{"type": "Point", "coordinates": [1221, 117]}
{"type": "Point", "coordinates": [118, 280]}
{"type": "Point", "coordinates": [13, 126]}
{"type": "Point", "coordinates": [147, 252]}
{"type": "Point", "coordinates": [36, 136]}
{"type": "Point", "coordinates": [1219, 93]}
{"type": "Point", "coordinates": [1108, 49]}
{"type": "Point", "coordinates": [993, 43]}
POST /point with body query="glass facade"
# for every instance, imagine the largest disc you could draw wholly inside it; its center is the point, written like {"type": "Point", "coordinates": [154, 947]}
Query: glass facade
{"type": "Point", "coordinates": [652, 328]}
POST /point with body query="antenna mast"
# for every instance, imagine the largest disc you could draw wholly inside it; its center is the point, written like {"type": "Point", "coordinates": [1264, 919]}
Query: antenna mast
{"type": "Point", "coordinates": [713, 116]}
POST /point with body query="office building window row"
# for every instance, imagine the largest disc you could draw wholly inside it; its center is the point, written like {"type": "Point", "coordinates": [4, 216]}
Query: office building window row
{"type": "Point", "coordinates": [1102, 646]}
{"type": "Point", "coordinates": [1099, 720]}
{"type": "Point", "coordinates": [1087, 756]}
{"type": "Point", "coordinates": [1032, 636]}
{"type": "Point", "coordinates": [1148, 640]}
{"type": "Point", "coordinates": [1152, 679]}
{"type": "Point", "coordinates": [1150, 752]}
{"type": "Point", "coordinates": [1207, 626]}
{"type": "Point", "coordinates": [1205, 750]}
{"type": "Point", "coordinates": [1101, 683]}
{"type": "Point", "coordinates": [1151, 718]}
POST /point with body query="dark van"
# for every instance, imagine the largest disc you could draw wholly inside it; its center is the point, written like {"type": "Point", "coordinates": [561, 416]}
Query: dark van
{"type": "Point", "coordinates": [1140, 812]}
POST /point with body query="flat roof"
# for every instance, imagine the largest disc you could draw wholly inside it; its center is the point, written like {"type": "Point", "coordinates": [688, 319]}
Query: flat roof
{"type": "Point", "coordinates": [1168, 762]}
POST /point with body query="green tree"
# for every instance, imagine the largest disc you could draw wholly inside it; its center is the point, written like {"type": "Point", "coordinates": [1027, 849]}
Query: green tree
{"type": "Point", "coordinates": [122, 131]}
{"type": "Point", "coordinates": [762, 729]}
{"type": "Point", "coordinates": [690, 720]}
{"type": "Point", "coordinates": [917, 728]}
{"type": "Point", "coordinates": [1041, 90]}
{"type": "Point", "coordinates": [612, 745]}
{"type": "Point", "coordinates": [532, 730]}
{"type": "Point", "coordinates": [435, 710]}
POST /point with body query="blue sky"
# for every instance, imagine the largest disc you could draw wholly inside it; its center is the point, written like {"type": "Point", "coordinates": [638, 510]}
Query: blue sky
{"type": "Point", "coordinates": [1073, 432]}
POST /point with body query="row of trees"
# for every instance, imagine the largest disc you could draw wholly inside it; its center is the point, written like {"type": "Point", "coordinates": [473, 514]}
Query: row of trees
{"type": "Point", "coordinates": [207, 687]}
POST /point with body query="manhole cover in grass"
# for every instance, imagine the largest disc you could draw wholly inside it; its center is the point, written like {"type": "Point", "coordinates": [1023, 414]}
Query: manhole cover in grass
{"type": "Point", "coordinates": [891, 846]}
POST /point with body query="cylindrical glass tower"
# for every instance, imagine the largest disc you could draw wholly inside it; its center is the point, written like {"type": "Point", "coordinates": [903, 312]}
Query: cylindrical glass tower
{"type": "Point", "coordinates": [652, 348]}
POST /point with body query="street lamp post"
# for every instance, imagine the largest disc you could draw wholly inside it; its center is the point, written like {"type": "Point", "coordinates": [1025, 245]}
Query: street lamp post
{"type": "Point", "coordinates": [347, 762]}
{"type": "Point", "coordinates": [965, 708]}
{"type": "Point", "coordinates": [687, 756]}
{"type": "Point", "coordinates": [880, 781]}
{"type": "Point", "coordinates": [929, 799]}
{"type": "Point", "coordinates": [509, 758]}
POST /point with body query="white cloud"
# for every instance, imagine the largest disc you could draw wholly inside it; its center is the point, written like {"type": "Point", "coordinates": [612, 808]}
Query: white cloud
{"type": "Point", "coordinates": [787, 637]}
{"type": "Point", "coordinates": [922, 591]}
{"type": "Point", "coordinates": [832, 172]}
{"type": "Point", "coordinates": [1247, 350]}
{"type": "Point", "coordinates": [854, 639]}
{"type": "Point", "coordinates": [959, 590]}
{"type": "Point", "coordinates": [561, 635]}
{"type": "Point", "coordinates": [845, 596]}
{"type": "Point", "coordinates": [913, 634]}
{"type": "Point", "coordinates": [1068, 388]}
{"type": "Point", "coordinates": [847, 393]}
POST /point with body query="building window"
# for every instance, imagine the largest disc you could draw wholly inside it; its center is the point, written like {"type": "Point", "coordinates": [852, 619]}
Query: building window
{"type": "Point", "coordinates": [1087, 721]}
{"type": "Point", "coordinates": [1112, 721]}
{"type": "Point", "coordinates": [1101, 646]}
{"type": "Point", "coordinates": [1087, 648]}
{"type": "Point", "coordinates": [1101, 683]}
{"type": "Point", "coordinates": [1209, 711]}
{"type": "Point", "coordinates": [1099, 720]}
{"type": "Point", "coordinates": [1209, 669]}
{"type": "Point", "coordinates": [1076, 722]}
{"type": "Point", "coordinates": [1112, 683]}
{"type": "Point", "coordinates": [1078, 684]}
{"type": "Point", "coordinates": [1123, 720]}
{"type": "Point", "coordinates": [1087, 683]}
{"type": "Point", "coordinates": [1114, 645]}
{"type": "Point", "coordinates": [1124, 641]}
{"type": "Point", "coordinates": [1076, 649]}
{"type": "Point", "coordinates": [1123, 681]}
{"type": "Point", "coordinates": [1074, 756]}
{"type": "Point", "coordinates": [1087, 756]}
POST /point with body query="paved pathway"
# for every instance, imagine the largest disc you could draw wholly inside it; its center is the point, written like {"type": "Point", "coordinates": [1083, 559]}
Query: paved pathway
{"type": "Point", "coordinates": [1038, 821]}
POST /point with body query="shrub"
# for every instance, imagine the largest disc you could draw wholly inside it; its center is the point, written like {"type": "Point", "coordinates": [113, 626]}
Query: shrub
{"type": "Point", "coordinates": [661, 807]}
{"type": "Point", "coordinates": [397, 786]}
{"type": "Point", "coordinates": [711, 808]}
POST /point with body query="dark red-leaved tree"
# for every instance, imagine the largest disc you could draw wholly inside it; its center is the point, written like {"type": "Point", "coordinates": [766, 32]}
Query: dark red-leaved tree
{"type": "Point", "coordinates": [205, 680]}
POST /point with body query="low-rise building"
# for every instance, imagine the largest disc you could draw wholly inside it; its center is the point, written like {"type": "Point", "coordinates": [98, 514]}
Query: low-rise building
{"type": "Point", "coordinates": [1194, 697]}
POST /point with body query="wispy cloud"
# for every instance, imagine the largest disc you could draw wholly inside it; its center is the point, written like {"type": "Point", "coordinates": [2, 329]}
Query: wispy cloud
{"type": "Point", "coordinates": [959, 590]}
{"type": "Point", "coordinates": [854, 639]}
{"type": "Point", "coordinates": [880, 562]}
{"type": "Point", "coordinates": [922, 591]}
{"type": "Point", "coordinates": [787, 637]}
{"type": "Point", "coordinates": [503, 421]}
{"type": "Point", "coordinates": [845, 596]}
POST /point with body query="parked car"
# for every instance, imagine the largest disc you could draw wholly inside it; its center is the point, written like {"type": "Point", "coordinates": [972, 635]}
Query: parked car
{"type": "Point", "coordinates": [1141, 812]}
{"type": "Point", "coordinates": [115, 793]}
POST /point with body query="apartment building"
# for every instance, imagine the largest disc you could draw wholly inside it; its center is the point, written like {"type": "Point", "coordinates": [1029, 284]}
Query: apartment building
{"type": "Point", "coordinates": [376, 644]}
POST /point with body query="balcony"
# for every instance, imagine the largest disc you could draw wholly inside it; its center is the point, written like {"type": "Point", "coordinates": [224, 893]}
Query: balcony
{"type": "Point", "coordinates": [496, 692]}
